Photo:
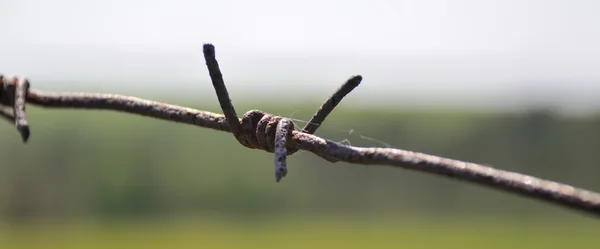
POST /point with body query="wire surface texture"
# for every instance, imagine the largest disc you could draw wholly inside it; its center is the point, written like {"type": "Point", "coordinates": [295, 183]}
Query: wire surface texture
{"type": "Point", "coordinates": [260, 130]}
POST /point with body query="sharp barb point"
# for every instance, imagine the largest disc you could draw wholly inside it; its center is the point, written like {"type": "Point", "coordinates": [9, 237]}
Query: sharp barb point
{"type": "Point", "coordinates": [319, 117]}
{"type": "Point", "coordinates": [25, 132]}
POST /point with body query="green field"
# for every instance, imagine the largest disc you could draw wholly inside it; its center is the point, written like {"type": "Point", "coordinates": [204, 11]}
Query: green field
{"type": "Point", "coordinates": [309, 232]}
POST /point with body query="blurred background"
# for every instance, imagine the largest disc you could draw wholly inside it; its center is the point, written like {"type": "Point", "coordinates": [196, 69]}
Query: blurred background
{"type": "Point", "coordinates": [512, 84]}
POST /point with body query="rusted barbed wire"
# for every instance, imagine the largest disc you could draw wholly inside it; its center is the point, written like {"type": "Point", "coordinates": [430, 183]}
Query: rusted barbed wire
{"type": "Point", "coordinates": [260, 130]}
{"type": "Point", "coordinates": [268, 132]}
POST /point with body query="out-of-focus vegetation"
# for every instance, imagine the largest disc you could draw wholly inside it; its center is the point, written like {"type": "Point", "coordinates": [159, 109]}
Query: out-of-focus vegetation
{"type": "Point", "coordinates": [329, 231]}
{"type": "Point", "coordinates": [104, 177]}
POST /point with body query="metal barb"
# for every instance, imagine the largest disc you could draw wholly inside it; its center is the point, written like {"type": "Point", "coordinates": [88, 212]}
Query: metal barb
{"type": "Point", "coordinates": [219, 84]}
{"type": "Point", "coordinates": [13, 93]}
{"type": "Point", "coordinates": [330, 104]}
{"type": "Point", "coordinates": [22, 86]}
{"type": "Point", "coordinates": [284, 129]}
{"type": "Point", "coordinates": [260, 130]}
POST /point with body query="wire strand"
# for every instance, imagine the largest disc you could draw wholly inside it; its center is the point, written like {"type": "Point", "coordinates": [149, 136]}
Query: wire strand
{"type": "Point", "coordinates": [532, 187]}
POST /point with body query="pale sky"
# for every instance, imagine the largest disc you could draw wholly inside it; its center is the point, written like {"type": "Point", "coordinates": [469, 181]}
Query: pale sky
{"type": "Point", "coordinates": [475, 52]}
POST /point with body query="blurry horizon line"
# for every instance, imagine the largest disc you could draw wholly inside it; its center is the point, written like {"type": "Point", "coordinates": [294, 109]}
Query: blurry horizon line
{"type": "Point", "coordinates": [424, 80]}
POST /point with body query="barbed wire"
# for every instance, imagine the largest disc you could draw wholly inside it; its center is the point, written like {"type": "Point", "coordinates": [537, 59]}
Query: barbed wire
{"type": "Point", "coordinates": [261, 130]}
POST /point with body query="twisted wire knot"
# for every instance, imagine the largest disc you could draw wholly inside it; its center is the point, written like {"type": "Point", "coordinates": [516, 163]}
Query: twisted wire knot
{"type": "Point", "coordinates": [270, 133]}
{"type": "Point", "coordinates": [260, 130]}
